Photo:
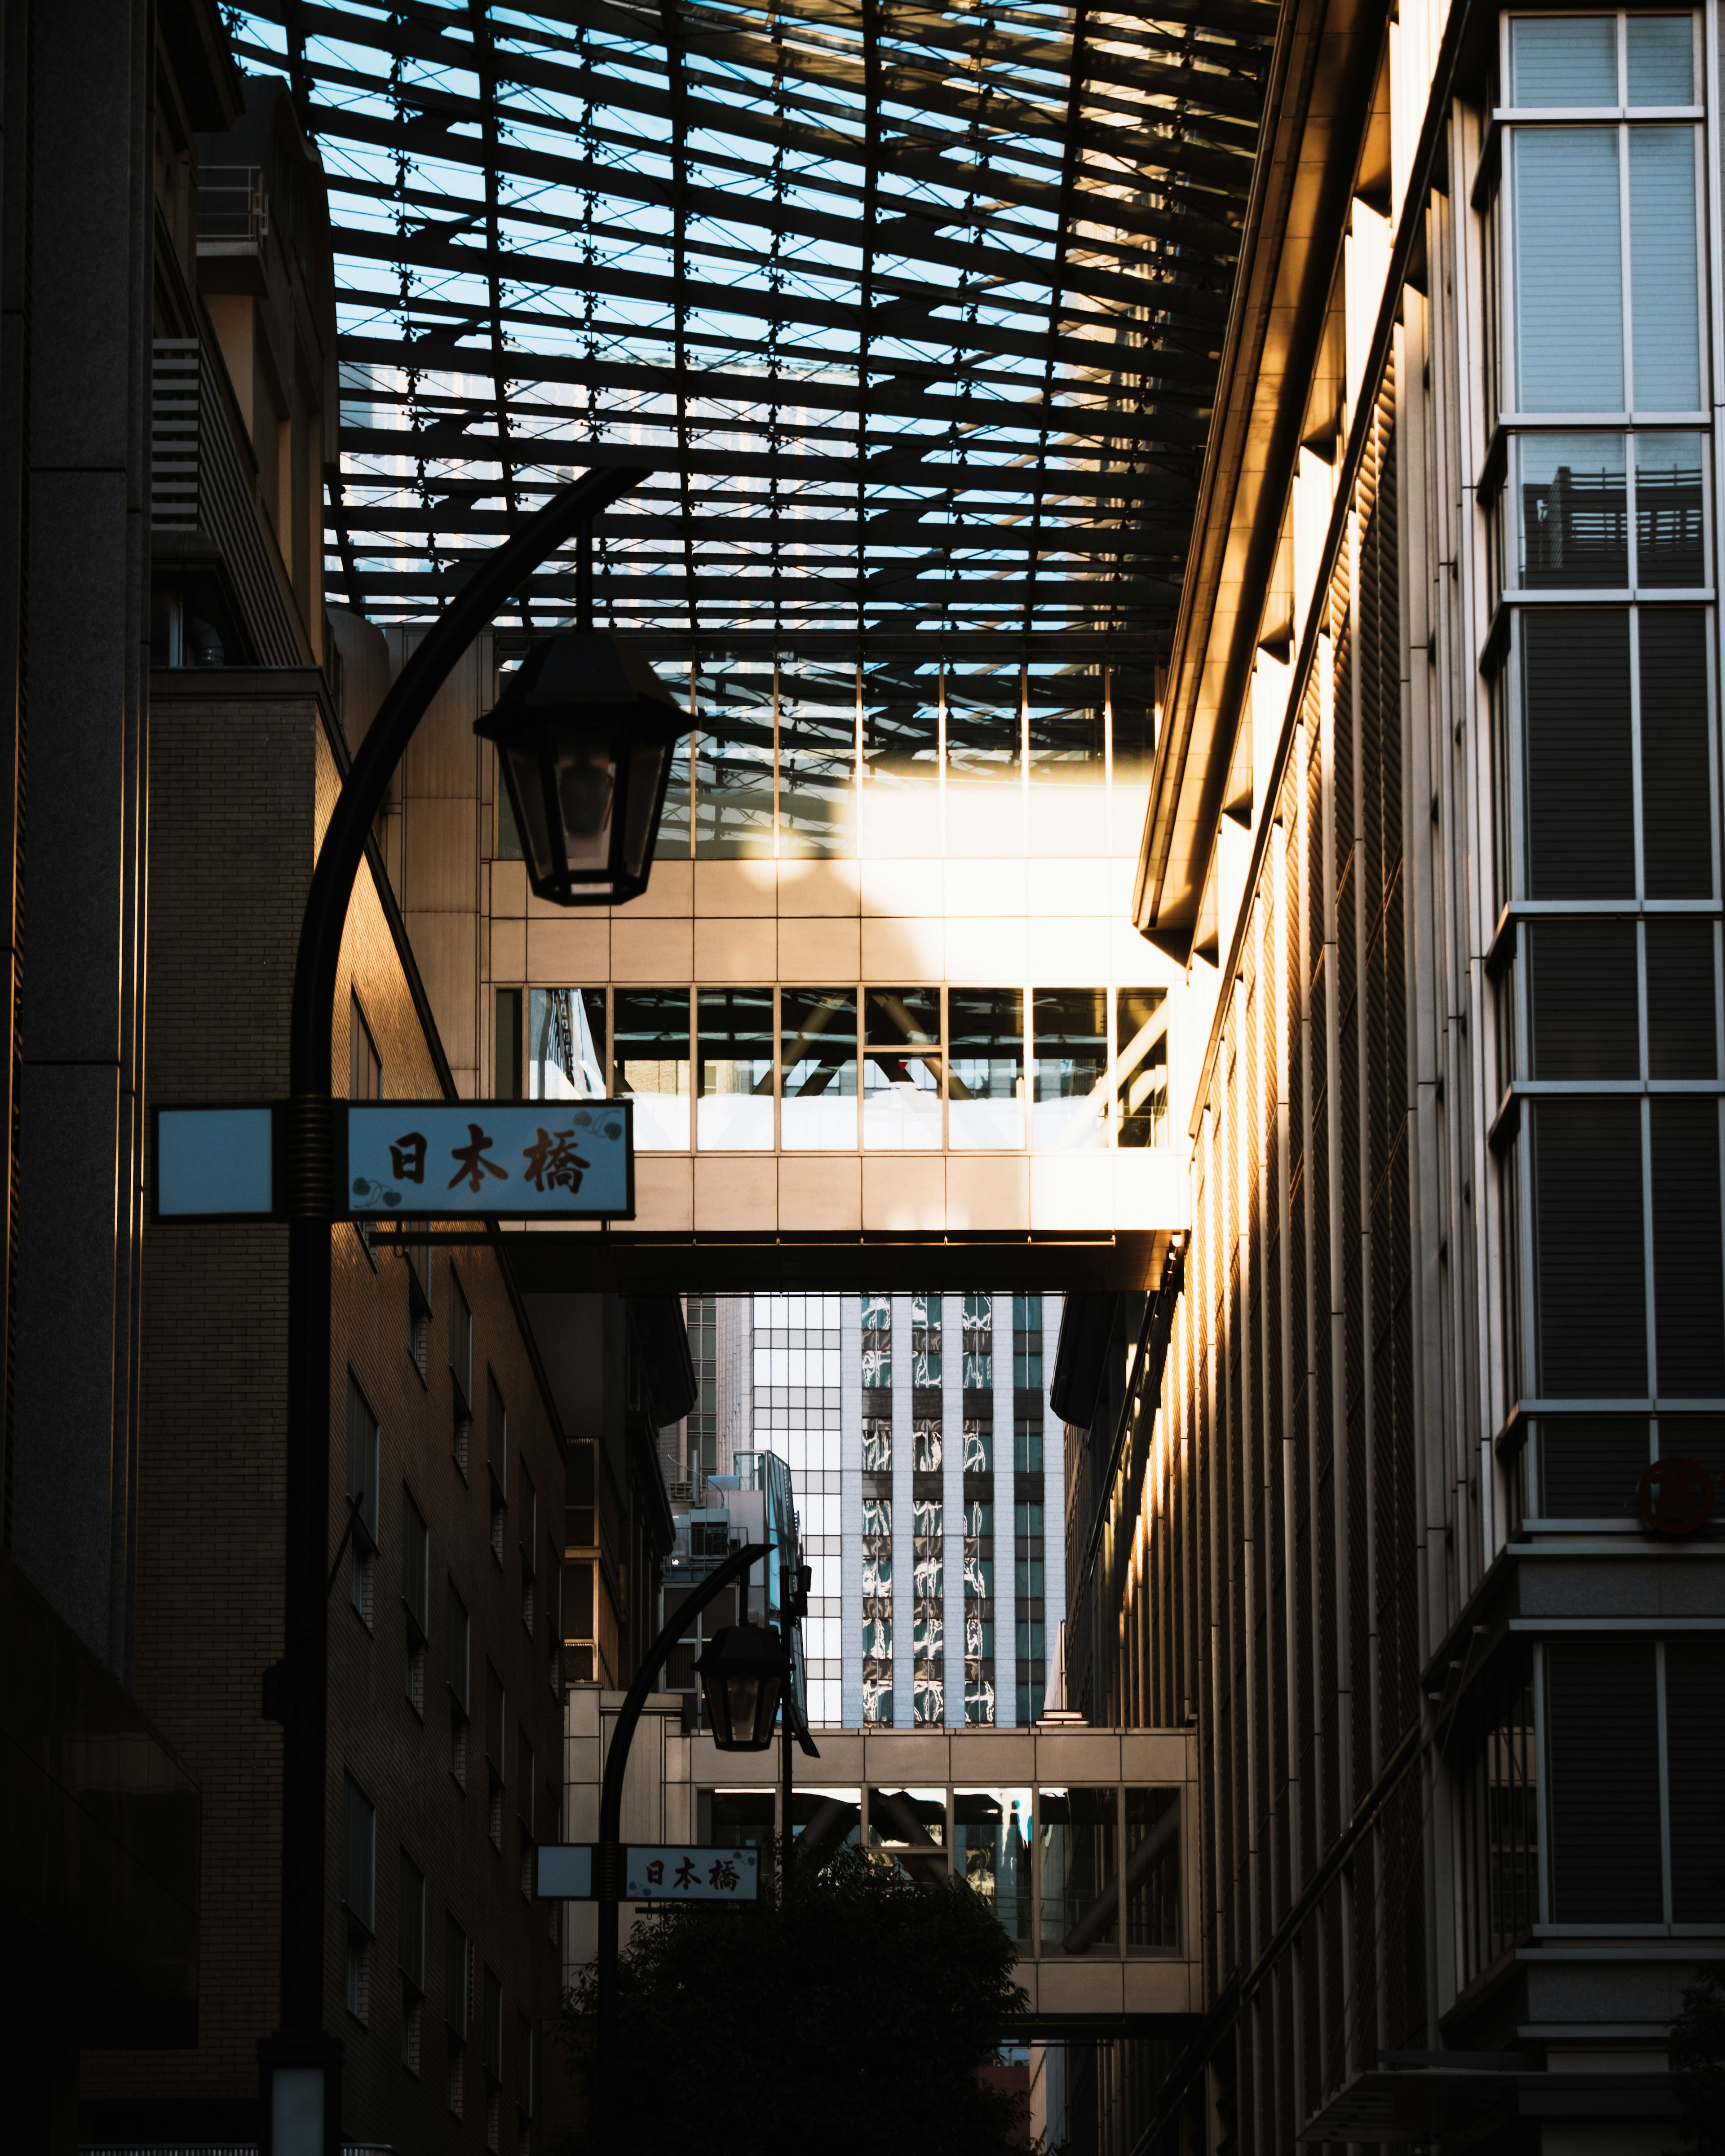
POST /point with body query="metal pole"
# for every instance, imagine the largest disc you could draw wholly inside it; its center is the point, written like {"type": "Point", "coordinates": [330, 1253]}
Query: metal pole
{"type": "Point", "coordinates": [607, 1857]}
{"type": "Point", "coordinates": [785, 1764]}
{"type": "Point", "coordinates": [311, 1177]}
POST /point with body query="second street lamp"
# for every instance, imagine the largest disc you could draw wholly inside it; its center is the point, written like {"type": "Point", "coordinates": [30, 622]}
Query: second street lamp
{"type": "Point", "coordinates": [742, 1671]}
{"type": "Point", "coordinates": [586, 732]}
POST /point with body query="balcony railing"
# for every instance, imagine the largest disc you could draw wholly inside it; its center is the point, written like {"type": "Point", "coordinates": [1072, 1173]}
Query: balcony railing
{"type": "Point", "coordinates": [233, 208]}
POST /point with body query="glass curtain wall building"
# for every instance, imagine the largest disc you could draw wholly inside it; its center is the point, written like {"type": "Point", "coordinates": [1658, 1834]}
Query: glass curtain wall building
{"type": "Point", "coordinates": [927, 1467]}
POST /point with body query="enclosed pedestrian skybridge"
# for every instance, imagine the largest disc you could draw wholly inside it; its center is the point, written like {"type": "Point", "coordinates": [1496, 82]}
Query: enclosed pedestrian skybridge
{"type": "Point", "coordinates": [1082, 1840]}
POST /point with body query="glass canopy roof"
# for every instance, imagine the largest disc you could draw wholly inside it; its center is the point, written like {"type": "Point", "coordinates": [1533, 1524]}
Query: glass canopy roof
{"type": "Point", "coordinates": [913, 312]}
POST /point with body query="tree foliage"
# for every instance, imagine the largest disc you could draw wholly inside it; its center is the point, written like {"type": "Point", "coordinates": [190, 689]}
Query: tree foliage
{"type": "Point", "coordinates": [849, 2018]}
{"type": "Point", "coordinates": [1697, 2059]}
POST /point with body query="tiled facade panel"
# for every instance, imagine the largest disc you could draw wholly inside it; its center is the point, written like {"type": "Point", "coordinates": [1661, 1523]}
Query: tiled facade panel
{"type": "Point", "coordinates": [244, 772]}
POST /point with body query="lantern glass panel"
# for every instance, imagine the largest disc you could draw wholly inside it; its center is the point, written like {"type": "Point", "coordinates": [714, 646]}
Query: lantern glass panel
{"type": "Point", "coordinates": [646, 775]}
{"type": "Point", "coordinates": [584, 765]}
{"type": "Point", "coordinates": [527, 799]}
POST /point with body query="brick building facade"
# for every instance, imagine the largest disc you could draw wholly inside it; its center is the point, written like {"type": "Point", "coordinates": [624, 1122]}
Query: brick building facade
{"type": "Point", "coordinates": [439, 1412]}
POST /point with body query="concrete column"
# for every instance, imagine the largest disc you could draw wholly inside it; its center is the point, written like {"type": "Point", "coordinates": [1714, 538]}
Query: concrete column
{"type": "Point", "coordinates": [851, 1643]}
{"type": "Point", "coordinates": [1005, 1620]}
{"type": "Point", "coordinates": [904, 1590]}
{"type": "Point", "coordinates": [952, 1501]}
{"type": "Point", "coordinates": [80, 1138]}
{"type": "Point", "coordinates": [1054, 1486]}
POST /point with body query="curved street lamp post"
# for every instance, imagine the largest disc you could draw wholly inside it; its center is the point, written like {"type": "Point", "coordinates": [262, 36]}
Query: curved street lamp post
{"type": "Point", "coordinates": [300, 2065]}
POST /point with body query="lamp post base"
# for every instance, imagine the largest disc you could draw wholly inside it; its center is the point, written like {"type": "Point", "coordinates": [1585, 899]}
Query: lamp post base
{"type": "Point", "coordinates": [300, 2095]}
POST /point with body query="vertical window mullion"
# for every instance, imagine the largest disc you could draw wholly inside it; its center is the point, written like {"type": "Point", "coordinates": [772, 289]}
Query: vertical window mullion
{"type": "Point", "coordinates": [1636, 788]}
{"type": "Point", "coordinates": [1664, 1789]}
{"type": "Point", "coordinates": [1628, 299]}
{"type": "Point", "coordinates": [1641, 994]}
{"type": "Point", "coordinates": [1652, 1286]}
{"type": "Point", "coordinates": [778, 833]}
{"type": "Point", "coordinates": [1542, 1770]}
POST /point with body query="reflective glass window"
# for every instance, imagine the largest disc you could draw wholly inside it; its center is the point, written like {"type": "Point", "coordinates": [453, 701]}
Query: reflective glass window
{"type": "Point", "coordinates": [1066, 727]}
{"type": "Point", "coordinates": [651, 1053]}
{"type": "Point", "coordinates": [901, 758]}
{"type": "Point", "coordinates": [1070, 1052]}
{"type": "Point", "coordinates": [566, 1044]}
{"type": "Point", "coordinates": [817, 1034]}
{"type": "Point", "coordinates": [1661, 59]}
{"type": "Point", "coordinates": [911, 1826]}
{"type": "Point", "coordinates": [1665, 269]}
{"type": "Point", "coordinates": [1561, 60]}
{"type": "Point", "coordinates": [1153, 1871]}
{"type": "Point", "coordinates": [1080, 1881]}
{"type": "Point", "coordinates": [902, 1060]}
{"type": "Point", "coordinates": [823, 1821]}
{"type": "Point", "coordinates": [1568, 271]}
{"type": "Point", "coordinates": [1572, 512]}
{"type": "Point", "coordinates": [733, 758]}
{"type": "Point", "coordinates": [984, 762]}
{"type": "Point", "coordinates": [991, 1852]}
{"type": "Point", "coordinates": [1141, 1066]}
{"type": "Point", "coordinates": [1670, 551]}
{"type": "Point", "coordinates": [985, 1080]}
{"type": "Point", "coordinates": [734, 1819]}
{"type": "Point", "coordinates": [734, 1040]}
{"type": "Point", "coordinates": [817, 759]}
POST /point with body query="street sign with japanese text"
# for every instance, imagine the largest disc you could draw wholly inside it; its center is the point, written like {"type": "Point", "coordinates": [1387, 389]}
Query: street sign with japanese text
{"type": "Point", "coordinates": [404, 1160]}
{"type": "Point", "coordinates": [691, 1874]}
{"type": "Point", "coordinates": [564, 1873]}
{"type": "Point", "coordinates": [496, 1159]}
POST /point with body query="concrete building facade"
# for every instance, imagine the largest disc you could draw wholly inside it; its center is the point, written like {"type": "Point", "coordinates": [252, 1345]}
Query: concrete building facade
{"type": "Point", "coordinates": [1410, 1511]}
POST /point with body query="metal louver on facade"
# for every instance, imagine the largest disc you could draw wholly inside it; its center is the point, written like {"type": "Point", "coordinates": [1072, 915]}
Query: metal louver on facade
{"type": "Point", "coordinates": [204, 510]}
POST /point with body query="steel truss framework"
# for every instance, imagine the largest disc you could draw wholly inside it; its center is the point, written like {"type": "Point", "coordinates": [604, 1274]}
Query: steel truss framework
{"type": "Point", "coordinates": [914, 310]}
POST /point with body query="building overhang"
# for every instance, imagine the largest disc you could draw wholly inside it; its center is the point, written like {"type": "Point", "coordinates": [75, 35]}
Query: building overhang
{"type": "Point", "coordinates": [1317, 110]}
{"type": "Point", "coordinates": [621, 1262]}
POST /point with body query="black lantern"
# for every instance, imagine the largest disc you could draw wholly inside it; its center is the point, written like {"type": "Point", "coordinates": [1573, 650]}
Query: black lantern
{"type": "Point", "coordinates": [743, 1672]}
{"type": "Point", "coordinates": [586, 732]}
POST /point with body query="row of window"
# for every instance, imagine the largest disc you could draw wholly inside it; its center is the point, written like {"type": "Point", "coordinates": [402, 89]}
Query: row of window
{"type": "Point", "coordinates": [895, 759]}
{"type": "Point", "coordinates": [1589, 1794]}
{"type": "Point", "coordinates": [472, 1991]}
{"type": "Point", "coordinates": [966, 1068]}
{"type": "Point", "coordinates": [1047, 1861]}
{"type": "Point", "coordinates": [1609, 983]}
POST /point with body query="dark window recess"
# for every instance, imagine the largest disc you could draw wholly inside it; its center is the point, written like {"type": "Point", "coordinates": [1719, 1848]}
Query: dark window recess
{"type": "Point", "coordinates": [1575, 691]}
{"type": "Point", "coordinates": [1676, 788]}
{"type": "Point", "coordinates": [1681, 1015]}
{"type": "Point", "coordinates": [1583, 1014]}
{"type": "Point", "coordinates": [365, 1066]}
{"type": "Point", "coordinates": [1603, 1743]}
{"type": "Point", "coordinates": [1688, 1265]}
{"type": "Point", "coordinates": [577, 1602]}
{"type": "Point", "coordinates": [509, 1043]}
{"type": "Point", "coordinates": [1695, 1765]}
{"type": "Point", "coordinates": [1587, 1202]}
{"type": "Point", "coordinates": [1590, 1465]}
{"type": "Point", "coordinates": [492, 2032]}
{"type": "Point", "coordinates": [494, 1720]}
{"type": "Point", "coordinates": [496, 1437]}
{"type": "Point", "coordinates": [1695, 1437]}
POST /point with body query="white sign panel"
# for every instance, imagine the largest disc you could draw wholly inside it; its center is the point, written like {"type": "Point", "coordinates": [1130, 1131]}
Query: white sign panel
{"type": "Point", "coordinates": [493, 1159]}
{"type": "Point", "coordinates": [215, 1164]}
{"type": "Point", "coordinates": [565, 1872]}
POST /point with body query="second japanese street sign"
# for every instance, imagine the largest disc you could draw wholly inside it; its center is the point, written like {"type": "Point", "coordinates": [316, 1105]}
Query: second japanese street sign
{"type": "Point", "coordinates": [564, 1873]}
{"type": "Point", "coordinates": [691, 1874]}
{"type": "Point", "coordinates": [514, 1159]}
